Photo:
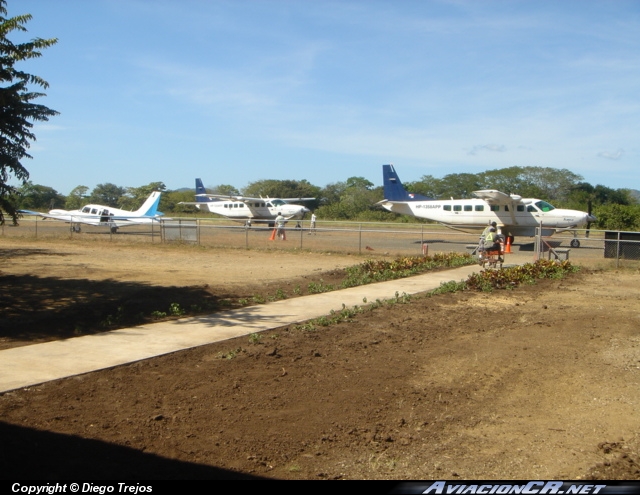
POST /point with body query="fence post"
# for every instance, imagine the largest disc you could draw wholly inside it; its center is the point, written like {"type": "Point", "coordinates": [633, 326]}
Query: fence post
{"type": "Point", "coordinates": [618, 251]}
{"type": "Point", "coordinates": [360, 239]}
{"type": "Point", "coordinates": [301, 231]}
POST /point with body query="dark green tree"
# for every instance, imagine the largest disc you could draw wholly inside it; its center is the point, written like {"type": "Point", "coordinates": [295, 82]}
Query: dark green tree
{"type": "Point", "coordinates": [282, 189]}
{"type": "Point", "coordinates": [36, 197]}
{"type": "Point", "coordinates": [225, 190]}
{"type": "Point", "coordinates": [17, 110]}
{"type": "Point", "coordinates": [135, 196]}
{"type": "Point", "coordinates": [76, 198]}
{"type": "Point", "coordinates": [107, 194]}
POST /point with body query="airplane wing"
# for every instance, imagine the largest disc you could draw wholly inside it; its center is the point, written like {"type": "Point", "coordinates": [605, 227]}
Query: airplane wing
{"type": "Point", "coordinates": [247, 199]}
{"type": "Point", "coordinates": [29, 212]}
{"type": "Point", "coordinates": [38, 214]}
{"type": "Point", "coordinates": [495, 197]}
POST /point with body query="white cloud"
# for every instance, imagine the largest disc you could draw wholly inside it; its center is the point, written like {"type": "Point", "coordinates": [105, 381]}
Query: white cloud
{"type": "Point", "coordinates": [612, 156]}
{"type": "Point", "coordinates": [498, 148]}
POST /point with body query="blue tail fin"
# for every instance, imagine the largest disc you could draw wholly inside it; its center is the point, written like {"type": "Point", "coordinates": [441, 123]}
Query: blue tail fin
{"type": "Point", "coordinates": [201, 190]}
{"type": "Point", "coordinates": [150, 207]}
{"type": "Point", "coordinates": [393, 189]}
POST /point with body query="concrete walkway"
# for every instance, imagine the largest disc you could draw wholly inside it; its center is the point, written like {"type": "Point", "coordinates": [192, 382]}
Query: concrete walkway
{"type": "Point", "coordinates": [34, 364]}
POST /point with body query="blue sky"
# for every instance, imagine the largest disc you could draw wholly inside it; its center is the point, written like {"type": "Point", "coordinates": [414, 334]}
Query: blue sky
{"type": "Point", "coordinates": [239, 91]}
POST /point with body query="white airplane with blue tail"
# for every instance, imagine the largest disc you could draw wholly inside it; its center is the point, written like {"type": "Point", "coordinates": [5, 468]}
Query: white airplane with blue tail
{"type": "Point", "coordinates": [248, 209]}
{"type": "Point", "coordinates": [106, 216]}
{"type": "Point", "coordinates": [514, 214]}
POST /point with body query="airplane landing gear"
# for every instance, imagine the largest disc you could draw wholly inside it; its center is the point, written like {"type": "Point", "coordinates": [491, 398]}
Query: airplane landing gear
{"type": "Point", "coordinates": [76, 228]}
{"type": "Point", "coordinates": [575, 243]}
{"type": "Point", "coordinates": [114, 230]}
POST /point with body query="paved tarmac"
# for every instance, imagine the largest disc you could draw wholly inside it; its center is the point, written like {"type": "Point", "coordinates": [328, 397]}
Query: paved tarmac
{"type": "Point", "coordinates": [38, 363]}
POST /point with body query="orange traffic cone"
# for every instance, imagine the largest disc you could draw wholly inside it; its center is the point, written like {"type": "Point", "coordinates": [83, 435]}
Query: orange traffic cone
{"type": "Point", "coordinates": [508, 248]}
{"type": "Point", "coordinates": [273, 235]}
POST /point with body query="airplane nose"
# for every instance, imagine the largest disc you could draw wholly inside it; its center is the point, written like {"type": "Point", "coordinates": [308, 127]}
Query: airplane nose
{"type": "Point", "coordinates": [591, 218]}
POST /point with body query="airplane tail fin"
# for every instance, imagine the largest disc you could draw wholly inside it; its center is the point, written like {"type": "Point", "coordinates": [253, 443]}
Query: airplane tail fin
{"type": "Point", "coordinates": [393, 188]}
{"type": "Point", "coordinates": [201, 190]}
{"type": "Point", "coordinates": [150, 207]}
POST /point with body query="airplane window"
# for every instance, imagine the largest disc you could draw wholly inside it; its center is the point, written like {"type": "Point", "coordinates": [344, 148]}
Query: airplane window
{"type": "Point", "coordinates": [278, 202]}
{"type": "Point", "coordinates": [235, 205]}
{"type": "Point", "coordinates": [226, 205]}
{"type": "Point", "coordinates": [241, 205]}
{"type": "Point", "coordinates": [544, 206]}
{"type": "Point", "coordinates": [479, 207]}
{"type": "Point", "coordinates": [94, 211]}
{"type": "Point", "coordinates": [86, 209]}
{"type": "Point", "coordinates": [457, 207]}
{"type": "Point", "coordinates": [506, 208]}
{"type": "Point", "coordinates": [447, 207]}
{"type": "Point", "coordinates": [468, 207]}
{"type": "Point", "coordinates": [495, 207]}
{"type": "Point", "coordinates": [520, 207]}
{"type": "Point", "coordinates": [269, 205]}
{"type": "Point", "coordinates": [531, 209]}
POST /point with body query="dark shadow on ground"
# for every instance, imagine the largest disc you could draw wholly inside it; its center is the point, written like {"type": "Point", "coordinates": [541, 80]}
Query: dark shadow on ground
{"type": "Point", "coordinates": [32, 454]}
{"type": "Point", "coordinates": [46, 308]}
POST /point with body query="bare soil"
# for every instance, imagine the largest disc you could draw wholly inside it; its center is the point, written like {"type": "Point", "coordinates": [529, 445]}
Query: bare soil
{"type": "Point", "coordinates": [538, 382]}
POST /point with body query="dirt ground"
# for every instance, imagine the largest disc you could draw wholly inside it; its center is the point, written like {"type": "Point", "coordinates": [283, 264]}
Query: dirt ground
{"type": "Point", "coordinates": [541, 382]}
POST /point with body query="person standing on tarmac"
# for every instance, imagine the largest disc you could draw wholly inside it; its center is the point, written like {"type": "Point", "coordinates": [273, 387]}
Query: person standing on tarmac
{"type": "Point", "coordinates": [312, 227]}
{"type": "Point", "coordinates": [280, 226]}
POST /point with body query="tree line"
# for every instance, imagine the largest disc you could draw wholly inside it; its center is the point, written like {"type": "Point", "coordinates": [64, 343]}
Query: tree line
{"type": "Point", "coordinates": [355, 198]}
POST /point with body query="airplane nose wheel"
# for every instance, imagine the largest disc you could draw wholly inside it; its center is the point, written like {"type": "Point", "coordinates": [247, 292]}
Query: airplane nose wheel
{"type": "Point", "coordinates": [575, 243]}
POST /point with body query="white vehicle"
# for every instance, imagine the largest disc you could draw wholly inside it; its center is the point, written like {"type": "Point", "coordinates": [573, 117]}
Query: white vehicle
{"type": "Point", "coordinates": [514, 214]}
{"type": "Point", "coordinates": [247, 209]}
{"type": "Point", "coordinates": [100, 215]}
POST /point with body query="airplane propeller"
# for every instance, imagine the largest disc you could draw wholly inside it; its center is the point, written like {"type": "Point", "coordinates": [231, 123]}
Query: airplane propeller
{"type": "Point", "coordinates": [590, 218]}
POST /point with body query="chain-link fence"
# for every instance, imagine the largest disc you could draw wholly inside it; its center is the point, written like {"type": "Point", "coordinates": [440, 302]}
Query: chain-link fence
{"type": "Point", "coordinates": [366, 238]}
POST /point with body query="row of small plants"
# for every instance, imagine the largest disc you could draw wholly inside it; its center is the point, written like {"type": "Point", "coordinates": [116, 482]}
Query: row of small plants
{"type": "Point", "coordinates": [509, 278]}
{"type": "Point", "coordinates": [371, 271]}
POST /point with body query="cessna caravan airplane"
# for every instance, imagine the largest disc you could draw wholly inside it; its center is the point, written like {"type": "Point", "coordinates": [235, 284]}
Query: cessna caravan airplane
{"type": "Point", "coordinates": [247, 209]}
{"type": "Point", "coordinates": [106, 216]}
{"type": "Point", "coordinates": [514, 214]}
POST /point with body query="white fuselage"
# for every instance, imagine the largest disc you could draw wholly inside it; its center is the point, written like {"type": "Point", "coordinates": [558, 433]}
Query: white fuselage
{"type": "Point", "coordinates": [519, 218]}
{"type": "Point", "coordinates": [100, 215]}
{"type": "Point", "coordinates": [254, 210]}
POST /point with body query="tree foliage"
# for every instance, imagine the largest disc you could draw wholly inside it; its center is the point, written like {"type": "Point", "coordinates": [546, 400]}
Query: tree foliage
{"type": "Point", "coordinates": [36, 197]}
{"type": "Point", "coordinates": [135, 196]}
{"type": "Point", "coordinates": [618, 217]}
{"type": "Point", "coordinates": [107, 194]}
{"type": "Point", "coordinates": [76, 198]}
{"type": "Point", "coordinates": [17, 110]}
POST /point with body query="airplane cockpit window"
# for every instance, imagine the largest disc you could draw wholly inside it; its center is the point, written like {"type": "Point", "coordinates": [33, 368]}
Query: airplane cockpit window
{"type": "Point", "coordinates": [531, 209]}
{"type": "Point", "coordinates": [269, 205]}
{"type": "Point", "coordinates": [86, 209]}
{"type": "Point", "coordinates": [94, 211]}
{"type": "Point", "coordinates": [544, 206]}
{"type": "Point", "coordinates": [278, 202]}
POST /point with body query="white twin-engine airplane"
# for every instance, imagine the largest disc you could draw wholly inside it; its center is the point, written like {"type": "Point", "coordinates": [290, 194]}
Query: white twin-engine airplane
{"type": "Point", "coordinates": [106, 216]}
{"type": "Point", "coordinates": [246, 209]}
{"type": "Point", "coordinates": [514, 214]}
